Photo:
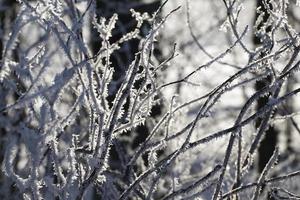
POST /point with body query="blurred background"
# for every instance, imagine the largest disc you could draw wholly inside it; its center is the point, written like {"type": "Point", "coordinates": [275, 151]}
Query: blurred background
{"type": "Point", "coordinates": [201, 31]}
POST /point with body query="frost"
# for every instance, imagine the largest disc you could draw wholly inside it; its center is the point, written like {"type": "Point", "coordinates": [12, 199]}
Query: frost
{"type": "Point", "coordinates": [225, 26]}
{"type": "Point", "coordinates": [95, 97]}
{"type": "Point", "coordinates": [105, 28]}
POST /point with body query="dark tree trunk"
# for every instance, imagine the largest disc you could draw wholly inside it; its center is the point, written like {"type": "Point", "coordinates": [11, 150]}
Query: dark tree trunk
{"type": "Point", "coordinates": [268, 143]}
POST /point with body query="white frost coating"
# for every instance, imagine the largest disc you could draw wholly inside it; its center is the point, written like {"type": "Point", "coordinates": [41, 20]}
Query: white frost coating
{"type": "Point", "coordinates": [80, 114]}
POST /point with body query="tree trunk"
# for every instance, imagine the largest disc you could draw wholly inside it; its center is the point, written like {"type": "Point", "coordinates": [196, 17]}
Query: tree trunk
{"type": "Point", "coordinates": [268, 143]}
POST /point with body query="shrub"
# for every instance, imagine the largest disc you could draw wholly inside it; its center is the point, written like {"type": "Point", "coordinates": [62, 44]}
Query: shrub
{"type": "Point", "coordinates": [58, 126]}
